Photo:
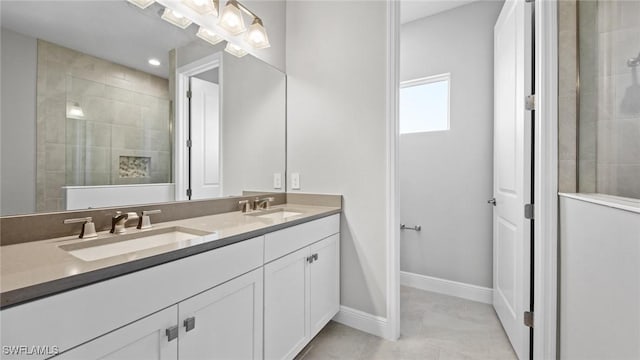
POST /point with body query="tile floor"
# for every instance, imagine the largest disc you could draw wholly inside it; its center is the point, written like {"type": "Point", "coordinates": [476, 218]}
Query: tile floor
{"type": "Point", "coordinates": [433, 327]}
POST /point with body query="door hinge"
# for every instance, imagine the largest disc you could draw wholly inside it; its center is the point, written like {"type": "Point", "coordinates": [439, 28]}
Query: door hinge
{"type": "Point", "coordinates": [528, 318]}
{"type": "Point", "coordinates": [189, 93]}
{"type": "Point", "coordinates": [189, 192]}
{"type": "Point", "coordinates": [530, 102]}
{"type": "Point", "coordinates": [189, 143]}
{"type": "Point", "coordinates": [528, 211]}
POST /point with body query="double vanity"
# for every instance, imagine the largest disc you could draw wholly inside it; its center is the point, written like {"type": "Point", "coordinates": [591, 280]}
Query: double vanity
{"type": "Point", "coordinates": [232, 285]}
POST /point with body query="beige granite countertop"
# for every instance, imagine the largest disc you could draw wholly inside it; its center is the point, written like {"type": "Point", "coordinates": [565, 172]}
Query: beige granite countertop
{"type": "Point", "coordinates": [41, 268]}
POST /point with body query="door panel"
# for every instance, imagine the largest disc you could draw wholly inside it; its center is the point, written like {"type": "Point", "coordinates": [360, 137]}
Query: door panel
{"type": "Point", "coordinates": [227, 321]}
{"type": "Point", "coordinates": [512, 163]}
{"type": "Point", "coordinates": [143, 339]}
{"type": "Point", "coordinates": [285, 301]}
{"type": "Point", "coordinates": [205, 139]}
{"type": "Point", "coordinates": [324, 282]}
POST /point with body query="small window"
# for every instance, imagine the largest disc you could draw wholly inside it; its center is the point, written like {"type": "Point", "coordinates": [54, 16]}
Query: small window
{"type": "Point", "coordinates": [424, 104]}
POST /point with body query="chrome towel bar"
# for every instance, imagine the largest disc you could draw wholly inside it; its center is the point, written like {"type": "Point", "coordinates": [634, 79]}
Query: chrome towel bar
{"type": "Point", "coordinates": [415, 228]}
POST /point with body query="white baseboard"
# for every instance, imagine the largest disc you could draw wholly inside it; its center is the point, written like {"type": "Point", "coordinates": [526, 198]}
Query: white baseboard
{"type": "Point", "coordinates": [363, 321]}
{"type": "Point", "coordinates": [447, 287]}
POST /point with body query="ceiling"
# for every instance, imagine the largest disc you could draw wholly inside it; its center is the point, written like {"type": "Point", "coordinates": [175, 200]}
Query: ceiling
{"type": "Point", "coordinates": [411, 10]}
{"type": "Point", "coordinates": [113, 30]}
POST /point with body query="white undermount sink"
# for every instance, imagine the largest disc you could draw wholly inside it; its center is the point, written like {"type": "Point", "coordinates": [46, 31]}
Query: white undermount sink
{"type": "Point", "coordinates": [97, 249]}
{"type": "Point", "coordinates": [275, 214]}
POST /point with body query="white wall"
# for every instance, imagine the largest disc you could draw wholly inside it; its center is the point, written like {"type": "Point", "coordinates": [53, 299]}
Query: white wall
{"type": "Point", "coordinates": [599, 280]}
{"type": "Point", "coordinates": [336, 130]}
{"type": "Point", "coordinates": [446, 177]}
{"type": "Point", "coordinates": [253, 125]}
{"type": "Point", "coordinates": [18, 146]}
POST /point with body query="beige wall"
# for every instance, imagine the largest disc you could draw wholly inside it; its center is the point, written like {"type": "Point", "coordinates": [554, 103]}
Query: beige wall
{"type": "Point", "coordinates": [336, 130]}
{"type": "Point", "coordinates": [124, 108]}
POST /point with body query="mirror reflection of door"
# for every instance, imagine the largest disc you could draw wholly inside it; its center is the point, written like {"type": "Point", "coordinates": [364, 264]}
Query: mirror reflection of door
{"type": "Point", "coordinates": [204, 135]}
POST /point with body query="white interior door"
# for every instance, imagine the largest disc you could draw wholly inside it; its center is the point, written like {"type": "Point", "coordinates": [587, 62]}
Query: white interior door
{"type": "Point", "coordinates": [512, 177]}
{"type": "Point", "coordinates": [205, 140]}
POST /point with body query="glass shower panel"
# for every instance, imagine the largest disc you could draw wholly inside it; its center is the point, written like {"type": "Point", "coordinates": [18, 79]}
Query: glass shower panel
{"type": "Point", "coordinates": [609, 97]}
{"type": "Point", "coordinates": [115, 136]}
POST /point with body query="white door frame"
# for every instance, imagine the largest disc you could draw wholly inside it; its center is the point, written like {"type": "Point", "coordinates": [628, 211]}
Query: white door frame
{"type": "Point", "coordinates": [546, 179]}
{"type": "Point", "coordinates": [393, 181]}
{"type": "Point", "coordinates": [181, 116]}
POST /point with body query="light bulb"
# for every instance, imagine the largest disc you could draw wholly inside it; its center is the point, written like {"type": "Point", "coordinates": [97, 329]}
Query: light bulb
{"type": "Point", "coordinates": [257, 35]}
{"type": "Point", "coordinates": [231, 18]}
{"type": "Point", "coordinates": [209, 36]}
{"type": "Point", "coordinates": [235, 50]}
{"type": "Point", "coordinates": [175, 18]}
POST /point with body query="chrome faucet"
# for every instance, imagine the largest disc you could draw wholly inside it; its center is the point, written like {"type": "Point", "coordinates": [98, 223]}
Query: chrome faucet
{"type": "Point", "coordinates": [119, 221]}
{"type": "Point", "coordinates": [260, 204]}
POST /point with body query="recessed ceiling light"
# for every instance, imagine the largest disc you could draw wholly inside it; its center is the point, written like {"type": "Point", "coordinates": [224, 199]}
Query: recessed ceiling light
{"type": "Point", "coordinates": [154, 62]}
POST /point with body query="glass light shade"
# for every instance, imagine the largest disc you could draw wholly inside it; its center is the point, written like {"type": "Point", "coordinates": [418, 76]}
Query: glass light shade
{"type": "Point", "coordinates": [74, 111]}
{"type": "Point", "coordinates": [208, 36]}
{"type": "Point", "coordinates": [235, 50]}
{"type": "Point", "coordinates": [202, 7]}
{"type": "Point", "coordinates": [231, 18]}
{"type": "Point", "coordinates": [256, 36]}
{"type": "Point", "coordinates": [175, 18]}
{"type": "Point", "coordinates": [142, 4]}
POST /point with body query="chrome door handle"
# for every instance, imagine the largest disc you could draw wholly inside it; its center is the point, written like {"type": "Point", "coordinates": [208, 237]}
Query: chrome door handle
{"type": "Point", "coordinates": [492, 201]}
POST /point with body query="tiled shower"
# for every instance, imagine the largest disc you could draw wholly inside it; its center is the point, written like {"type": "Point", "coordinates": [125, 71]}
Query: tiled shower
{"type": "Point", "coordinates": [98, 123]}
{"type": "Point", "coordinates": [608, 101]}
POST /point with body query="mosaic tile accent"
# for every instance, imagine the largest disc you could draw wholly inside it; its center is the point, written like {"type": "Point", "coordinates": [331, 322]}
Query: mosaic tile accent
{"type": "Point", "coordinates": [135, 166]}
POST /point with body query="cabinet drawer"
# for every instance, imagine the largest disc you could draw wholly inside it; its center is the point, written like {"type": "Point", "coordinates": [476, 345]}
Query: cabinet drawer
{"type": "Point", "coordinates": [102, 307]}
{"type": "Point", "coordinates": [285, 241]}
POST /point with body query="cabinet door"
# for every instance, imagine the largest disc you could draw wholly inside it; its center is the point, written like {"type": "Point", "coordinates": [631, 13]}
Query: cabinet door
{"type": "Point", "coordinates": [324, 282]}
{"type": "Point", "coordinates": [141, 340]}
{"type": "Point", "coordinates": [285, 303]}
{"type": "Point", "coordinates": [224, 322]}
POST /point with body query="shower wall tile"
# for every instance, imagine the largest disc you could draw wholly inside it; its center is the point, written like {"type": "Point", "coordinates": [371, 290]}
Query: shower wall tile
{"type": "Point", "coordinates": [618, 126]}
{"type": "Point", "coordinates": [108, 94]}
{"type": "Point", "coordinates": [567, 101]}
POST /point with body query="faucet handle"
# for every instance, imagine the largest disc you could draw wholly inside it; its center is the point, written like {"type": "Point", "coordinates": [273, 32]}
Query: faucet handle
{"type": "Point", "coordinates": [268, 201]}
{"type": "Point", "coordinates": [144, 222]}
{"type": "Point", "coordinates": [244, 205]}
{"type": "Point", "coordinates": [88, 227]}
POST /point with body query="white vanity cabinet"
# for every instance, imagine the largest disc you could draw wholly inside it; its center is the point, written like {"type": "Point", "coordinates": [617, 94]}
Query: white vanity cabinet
{"type": "Point", "coordinates": [264, 297]}
{"type": "Point", "coordinates": [302, 287]}
{"type": "Point", "coordinates": [221, 323]}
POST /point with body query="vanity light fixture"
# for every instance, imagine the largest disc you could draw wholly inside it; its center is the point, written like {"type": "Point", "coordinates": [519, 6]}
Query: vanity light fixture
{"type": "Point", "coordinates": [74, 111]}
{"type": "Point", "coordinates": [209, 36]}
{"type": "Point", "coordinates": [203, 7]}
{"type": "Point", "coordinates": [175, 18]}
{"type": "Point", "coordinates": [235, 50]}
{"type": "Point", "coordinates": [256, 36]}
{"type": "Point", "coordinates": [231, 18]}
{"type": "Point", "coordinates": [154, 62]}
{"type": "Point", "coordinates": [142, 4]}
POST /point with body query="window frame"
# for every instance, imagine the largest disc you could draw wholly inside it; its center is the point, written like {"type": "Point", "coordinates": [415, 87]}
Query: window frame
{"type": "Point", "coordinates": [425, 81]}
